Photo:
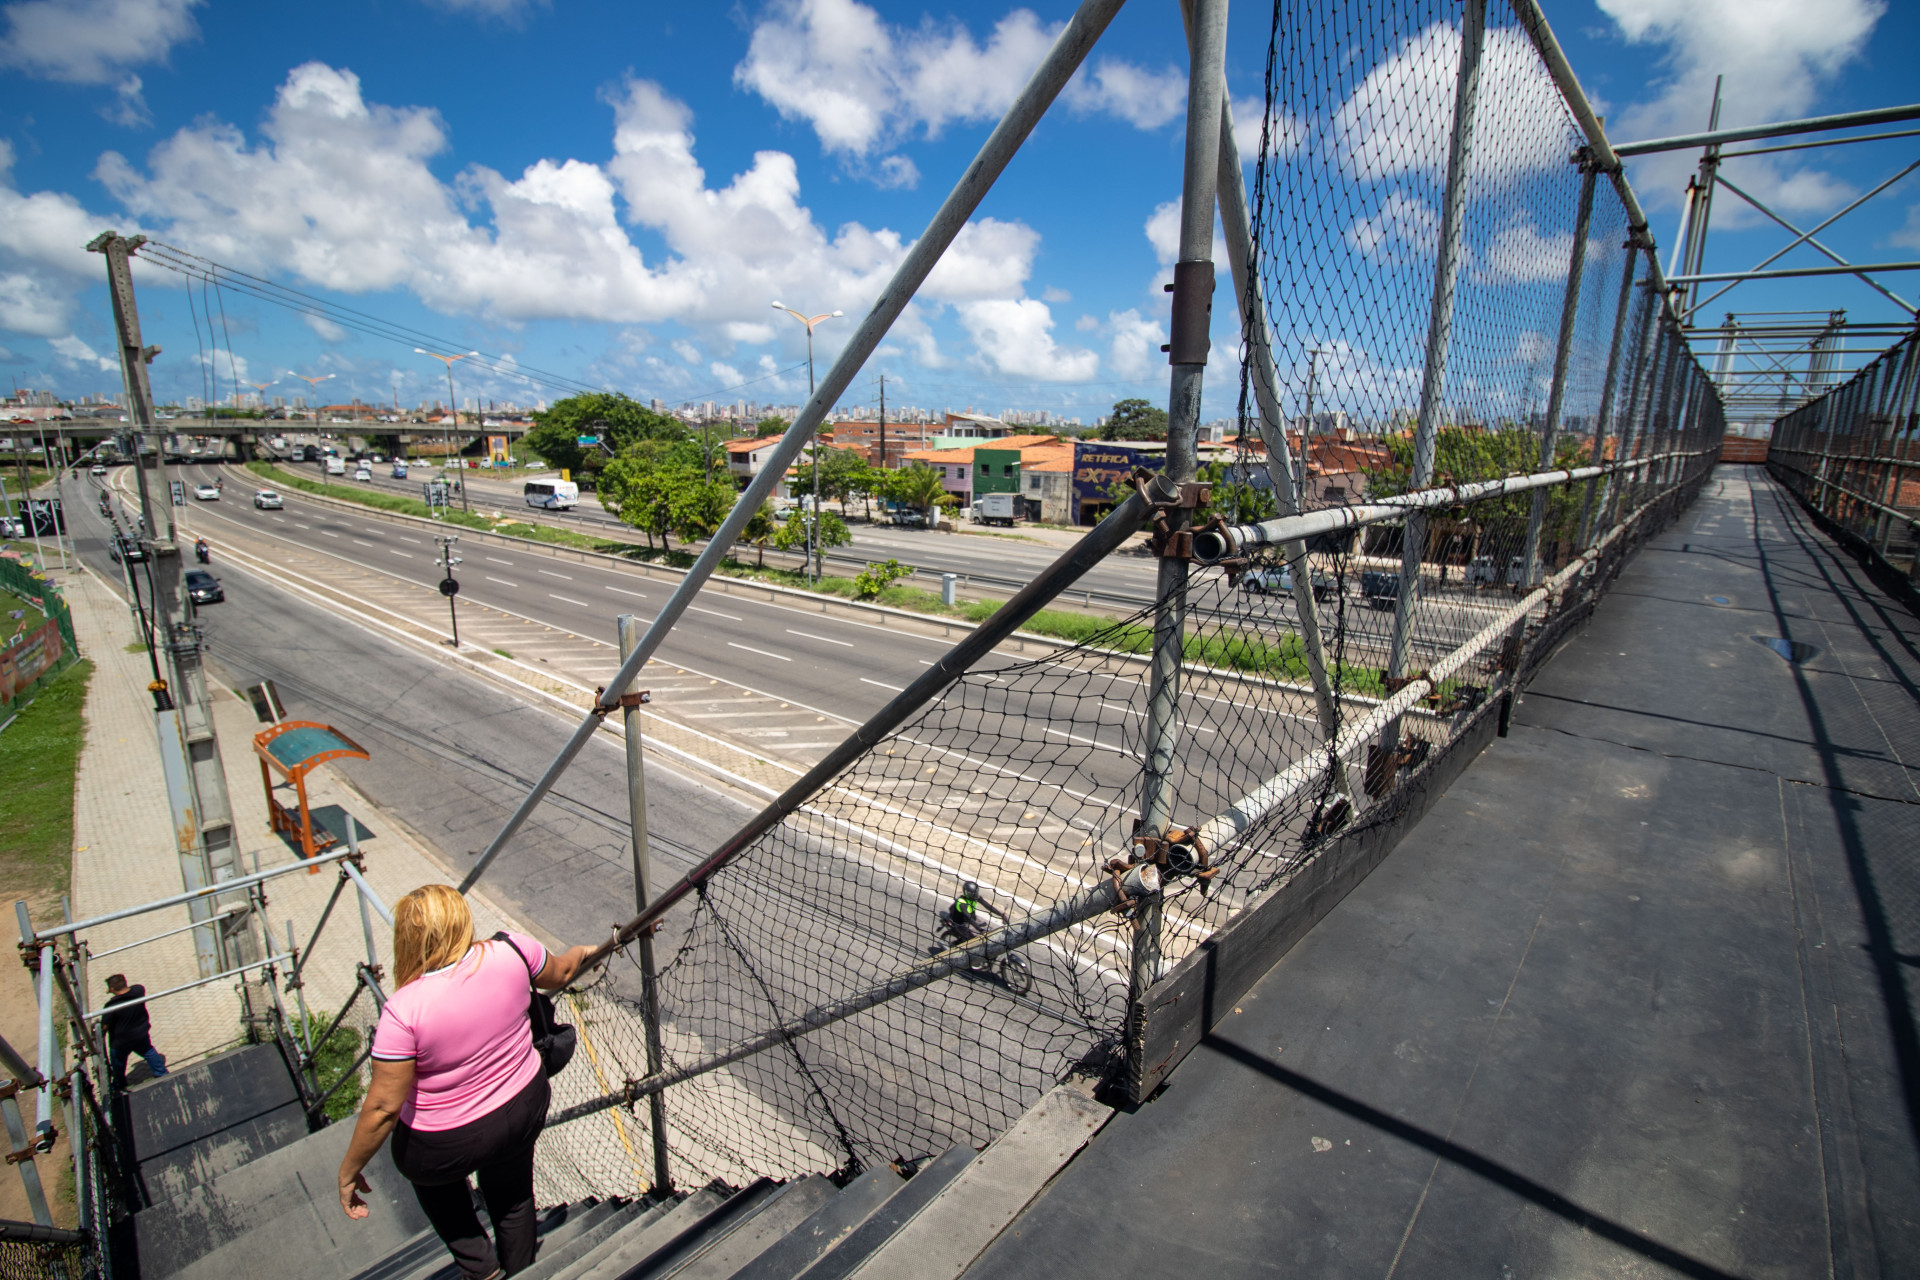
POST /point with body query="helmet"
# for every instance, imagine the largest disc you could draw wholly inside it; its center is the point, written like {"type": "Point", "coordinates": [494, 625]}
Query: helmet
{"type": "Point", "coordinates": [971, 889]}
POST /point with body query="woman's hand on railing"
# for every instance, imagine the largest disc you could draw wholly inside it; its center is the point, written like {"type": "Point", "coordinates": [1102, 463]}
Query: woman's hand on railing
{"type": "Point", "coordinates": [561, 968]}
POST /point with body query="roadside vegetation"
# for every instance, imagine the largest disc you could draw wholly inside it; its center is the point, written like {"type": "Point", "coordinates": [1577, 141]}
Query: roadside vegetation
{"type": "Point", "coordinates": [39, 756]}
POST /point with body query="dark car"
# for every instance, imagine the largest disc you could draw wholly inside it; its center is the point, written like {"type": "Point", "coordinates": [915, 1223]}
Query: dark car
{"type": "Point", "coordinates": [203, 587]}
{"type": "Point", "coordinates": [1381, 590]}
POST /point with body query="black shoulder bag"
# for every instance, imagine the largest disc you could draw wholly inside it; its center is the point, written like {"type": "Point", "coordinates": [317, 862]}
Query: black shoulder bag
{"type": "Point", "coordinates": [553, 1040]}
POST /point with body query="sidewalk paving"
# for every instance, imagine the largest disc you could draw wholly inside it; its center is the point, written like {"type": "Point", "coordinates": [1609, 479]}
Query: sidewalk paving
{"type": "Point", "coordinates": [123, 853]}
{"type": "Point", "coordinates": [1636, 998]}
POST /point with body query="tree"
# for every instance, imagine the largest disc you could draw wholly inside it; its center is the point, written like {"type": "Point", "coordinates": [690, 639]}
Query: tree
{"type": "Point", "coordinates": [918, 486]}
{"type": "Point", "coordinates": [617, 419]}
{"type": "Point", "coordinates": [771, 425]}
{"type": "Point", "coordinates": [792, 536]}
{"type": "Point", "coordinates": [697, 504]}
{"type": "Point", "coordinates": [843, 473]}
{"type": "Point", "coordinates": [760, 528]}
{"type": "Point", "coordinates": [642, 492]}
{"type": "Point", "coordinates": [1135, 420]}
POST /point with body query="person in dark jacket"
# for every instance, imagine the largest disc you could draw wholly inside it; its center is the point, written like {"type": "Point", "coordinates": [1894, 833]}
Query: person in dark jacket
{"type": "Point", "coordinates": [128, 1031]}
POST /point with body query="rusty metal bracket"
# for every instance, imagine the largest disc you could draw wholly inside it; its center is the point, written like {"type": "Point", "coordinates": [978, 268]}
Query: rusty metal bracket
{"type": "Point", "coordinates": [1166, 541]}
{"type": "Point", "coordinates": [1394, 684]}
{"type": "Point", "coordinates": [23, 1156]}
{"type": "Point", "coordinates": [625, 702]}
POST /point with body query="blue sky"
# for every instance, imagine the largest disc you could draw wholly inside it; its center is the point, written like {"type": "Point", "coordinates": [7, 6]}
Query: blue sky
{"type": "Point", "coordinates": [617, 192]}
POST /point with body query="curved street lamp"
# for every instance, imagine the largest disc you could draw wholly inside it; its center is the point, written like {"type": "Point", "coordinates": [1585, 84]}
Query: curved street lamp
{"type": "Point", "coordinates": [813, 520]}
{"type": "Point", "coordinates": [453, 410]}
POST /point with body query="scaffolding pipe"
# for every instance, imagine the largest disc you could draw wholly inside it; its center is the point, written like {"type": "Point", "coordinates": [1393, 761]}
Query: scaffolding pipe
{"type": "Point", "coordinates": [1069, 49]}
{"type": "Point", "coordinates": [1446, 272]}
{"type": "Point", "coordinates": [1238, 235]}
{"type": "Point", "coordinates": [29, 934]}
{"type": "Point", "coordinates": [1563, 351]}
{"type": "Point", "coordinates": [1115, 892]}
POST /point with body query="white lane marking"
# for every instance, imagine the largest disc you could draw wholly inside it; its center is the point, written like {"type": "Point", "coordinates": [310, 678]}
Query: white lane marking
{"type": "Point", "coordinates": [502, 581]}
{"type": "Point", "coordinates": [356, 542]}
{"type": "Point", "coordinates": [844, 644]}
{"type": "Point", "coordinates": [551, 574]}
{"type": "Point", "coordinates": [762, 652]}
{"type": "Point", "coordinates": [404, 538]}
{"type": "Point", "coordinates": [621, 591]}
{"type": "Point", "coordinates": [302, 524]}
{"type": "Point", "coordinates": [1092, 742]}
{"type": "Point", "coordinates": [725, 715]}
{"type": "Point", "coordinates": [895, 687]}
{"type": "Point", "coordinates": [498, 560]}
{"type": "Point", "coordinates": [567, 600]}
{"type": "Point", "coordinates": [280, 519]}
{"type": "Point", "coordinates": [325, 534]}
{"type": "Point", "coordinates": [716, 613]}
{"type": "Point", "coordinates": [405, 555]}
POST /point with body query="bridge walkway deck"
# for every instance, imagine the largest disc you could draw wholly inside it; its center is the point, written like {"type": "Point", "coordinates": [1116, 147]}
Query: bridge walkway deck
{"type": "Point", "coordinates": [1637, 998]}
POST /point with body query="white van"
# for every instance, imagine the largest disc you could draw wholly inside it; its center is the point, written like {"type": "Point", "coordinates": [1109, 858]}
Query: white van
{"type": "Point", "coordinates": [336, 465]}
{"type": "Point", "coordinates": [552, 495]}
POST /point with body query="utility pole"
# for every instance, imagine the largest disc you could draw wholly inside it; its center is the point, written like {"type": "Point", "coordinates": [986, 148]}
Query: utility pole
{"type": "Point", "coordinates": [883, 422]}
{"type": "Point", "coordinates": [189, 748]}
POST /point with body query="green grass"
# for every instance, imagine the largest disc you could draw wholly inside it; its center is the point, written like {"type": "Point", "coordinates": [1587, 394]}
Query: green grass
{"type": "Point", "coordinates": [503, 653]}
{"type": "Point", "coordinates": [39, 755]}
{"type": "Point", "coordinates": [330, 1062]}
{"type": "Point", "coordinates": [136, 646]}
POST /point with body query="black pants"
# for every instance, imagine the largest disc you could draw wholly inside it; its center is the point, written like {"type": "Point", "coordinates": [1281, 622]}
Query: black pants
{"type": "Point", "coordinates": [499, 1148]}
{"type": "Point", "coordinates": [120, 1048]}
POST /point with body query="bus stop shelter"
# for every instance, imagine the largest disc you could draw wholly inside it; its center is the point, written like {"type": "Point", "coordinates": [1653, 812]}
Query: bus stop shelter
{"type": "Point", "coordinates": [291, 750]}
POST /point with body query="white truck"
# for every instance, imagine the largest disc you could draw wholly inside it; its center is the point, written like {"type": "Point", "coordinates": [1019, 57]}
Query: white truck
{"type": "Point", "coordinates": [993, 508]}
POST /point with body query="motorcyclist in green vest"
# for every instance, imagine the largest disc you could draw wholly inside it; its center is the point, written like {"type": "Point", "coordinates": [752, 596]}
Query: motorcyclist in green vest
{"type": "Point", "coordinates": [965, 915]}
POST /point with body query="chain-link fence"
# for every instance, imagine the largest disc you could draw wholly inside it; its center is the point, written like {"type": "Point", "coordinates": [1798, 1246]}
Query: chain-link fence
{"type": "Point", "coordinates": [1853, 455]}
{"type": "Point", "coordinates": [1445, 286]}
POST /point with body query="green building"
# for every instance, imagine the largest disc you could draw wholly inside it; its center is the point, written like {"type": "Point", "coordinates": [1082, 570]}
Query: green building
{"type": "Point", "coordinates": [995, 471]}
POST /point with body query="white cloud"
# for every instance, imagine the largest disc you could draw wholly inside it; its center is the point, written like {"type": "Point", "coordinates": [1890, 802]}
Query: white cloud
{"type": "Point", "coordinates": [1163, 232]}
{"type": "Point", "coordinates": [1519, 254]}
{"type": "Point", "coordinates": [1015, 336]}
{"type": "Point", "coordinates": [129, 107]}
{"type": "Point", "coordinates": [1144, 99]}
{"type": "Point", "coordinates": [1136, 344]}
{"type": "Point", "coordinates": [79, 355]}
{"type": "Point", "coordinates": [1908, 236]}
{"type": "Point", "coordinates": [1250, 118]}
{"type": "Point", "coordinates": [863, 84]}
{"type": "Point", "coordinates": [1403, 229]}
{"type": "Point", "coordinates": [687, 351]}
{"type": "Point", "coordinates": [325, 328]}
{"type": "Point", "coordinates": [28, 305]}
{"type": "Point", "coordinates": [1775, 56]}
{"type": "Point", "coordinates": [988, 259]}
{"type": "Point", "coordinates": [93, 41]}
{"type": "Point", "coordinates": [1398, 121]}
{"type": "Point", "coordinates": [1054, 295]}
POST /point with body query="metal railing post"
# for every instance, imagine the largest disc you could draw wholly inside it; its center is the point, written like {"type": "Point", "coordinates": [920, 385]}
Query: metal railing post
{"type": "Point", "coordinates": [1238, 235]}
{"type": "Point", "coordinates": [629, 629]}
{"type": "Point", "coordinates": [1604, 419]}
{"type": "Point", "coordinates": [1618, 493]}
{"type": "Point", "coordinates": [17, 1143]}
{"type": "Point", "coordinates": [1557, 391]}
{"type": "Point", "coordinates": [1193, 289]}
{"type": "Point", "coordinates": [1446, 273]}
{"type": "Point", "coordinates": [299, 989]}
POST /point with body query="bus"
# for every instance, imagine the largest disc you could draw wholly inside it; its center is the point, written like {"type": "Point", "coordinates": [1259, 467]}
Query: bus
{"type": "Point", "coordinates": [552, 495]}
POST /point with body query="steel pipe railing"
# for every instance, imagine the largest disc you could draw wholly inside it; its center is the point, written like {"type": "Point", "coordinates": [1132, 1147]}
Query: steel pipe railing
{"type": "Point", "coordinates": [249, 967]}
{"type": "Point", "coordinates": [30, 934]}
{"type": "Point", "coordinates": [1140, 882]}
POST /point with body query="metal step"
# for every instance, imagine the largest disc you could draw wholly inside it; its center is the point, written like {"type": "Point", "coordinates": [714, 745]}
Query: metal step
{"type": "Point", "coordinates": [908, 1199]}
{"type": "Point", "coordinates": [956, 1226]}
{"type": "Point", "coordinates": [753, 1235]}
{"type": "Point", "coordinates": [801, 1247]}
{"type": "Point", "coordinates": [610, 1259]}
{"type": "Point", "coordinates": [556, 1256]}
{"type": "Point", "coordinates": [735, 1209]}
{"type": "Point", "coordinates": [556, 1227]}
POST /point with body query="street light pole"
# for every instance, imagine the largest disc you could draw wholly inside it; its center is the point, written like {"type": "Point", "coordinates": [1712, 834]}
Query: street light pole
{"type": "Point", "coordinates": [453, 410]}
{"type": "Point", "coordinates": [813, 517]}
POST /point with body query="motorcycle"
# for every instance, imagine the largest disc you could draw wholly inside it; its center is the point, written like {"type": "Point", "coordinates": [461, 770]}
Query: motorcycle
{"type": "Point", "coordinates": [202, 552]}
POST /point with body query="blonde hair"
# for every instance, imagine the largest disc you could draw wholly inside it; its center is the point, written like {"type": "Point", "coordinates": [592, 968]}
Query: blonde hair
{"type": "Point", "coordinates": [432, 928]}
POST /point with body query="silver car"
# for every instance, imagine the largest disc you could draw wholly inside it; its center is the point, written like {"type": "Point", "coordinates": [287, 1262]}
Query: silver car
{"type": "Point", "coordinates": [267, 500]}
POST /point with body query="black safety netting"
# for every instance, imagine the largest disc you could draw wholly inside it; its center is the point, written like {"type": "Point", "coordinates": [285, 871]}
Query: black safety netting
{"type": "Point", "coordinates": [1026, 774]}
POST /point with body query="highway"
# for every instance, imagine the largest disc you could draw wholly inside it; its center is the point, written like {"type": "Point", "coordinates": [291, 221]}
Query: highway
{"type": "Point", "coordinates": [452, 754]}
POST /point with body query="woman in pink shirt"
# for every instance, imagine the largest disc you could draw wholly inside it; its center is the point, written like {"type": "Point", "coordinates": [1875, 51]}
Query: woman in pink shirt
{"type": "Point", "coordinates": [456, 1079]}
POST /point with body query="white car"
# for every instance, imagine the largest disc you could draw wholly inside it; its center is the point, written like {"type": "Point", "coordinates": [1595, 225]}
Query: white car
{"type": "Point", "coordinates": [206, 492]}
{"type": "Point", "coordinates": [361, 473]}
{"type": "Point", "coordinates": [268, 500]}
{"type": "Point", "coordinates": [97, 469]}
